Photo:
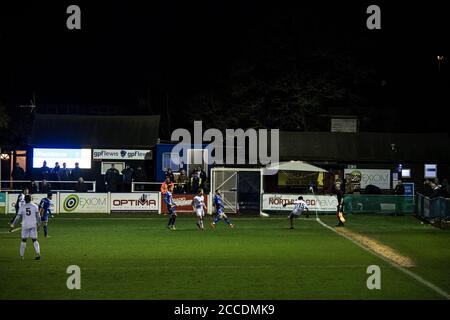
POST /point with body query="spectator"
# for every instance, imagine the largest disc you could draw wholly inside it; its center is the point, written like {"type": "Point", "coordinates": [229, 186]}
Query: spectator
{"type": "Point", "coordinates": [76, 172]}
{"type": "Point", "coordinates": [81, 186]}
{"type": "Point", "coordinates": [399, 188]}
{"type": "Point", "coordinates": [127, 178]}
{"type": "Point", "coordinates": [55, 172]}
{"type": "Point", "coordinates": [427, 190]}
{"type": "Point", "coordinates": [436, 190]}
{"type": "Point", "coordinates": [182, 182]}
{"type": "Point", "coordinates": [196, 181]}
{"type": "Point", "coordinates": [64, 173]}
{"type": "Point", "coordinates": [18, 174]}
{"type": "Point", "coordinates": [45, 171]}
{"type": "Point", "coordinates": [446, 188]}
{"type": "Point", "coordinates": [203, 177]}
{"type": "Point", "coordinates": [112, 178]}
{"type": "Point", "coordinates": [338, 189]}
{"type": "Point", "coordinates": [169, 174]}
{"type": "Point", "coordinates": [139, 176]}
{"type": "Point", "coordinates": [55, 175]}
{"type": "Point", "coordinates": [45, 187]}
{"type": "Point", "coordinates": [33, 188]}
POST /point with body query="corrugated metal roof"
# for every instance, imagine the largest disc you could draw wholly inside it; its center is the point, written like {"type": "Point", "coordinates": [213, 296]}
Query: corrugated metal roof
{"type": "Point", "coordinates": [364, 146]}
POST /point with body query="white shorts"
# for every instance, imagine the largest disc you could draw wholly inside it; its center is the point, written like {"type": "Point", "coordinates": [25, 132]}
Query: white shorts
{"type": "Point", "coordinates": [29, 233]}
{"type": "Point", "coordinates": [199, 212]}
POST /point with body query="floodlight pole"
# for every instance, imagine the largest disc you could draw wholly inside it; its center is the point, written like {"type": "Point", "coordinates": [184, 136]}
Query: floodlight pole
{"type": "Point", "coordinates": [439, 59]}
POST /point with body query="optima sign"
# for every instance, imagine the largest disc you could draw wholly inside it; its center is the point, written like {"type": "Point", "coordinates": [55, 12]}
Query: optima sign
{"type": "Point", "coordinates": [146, 201]}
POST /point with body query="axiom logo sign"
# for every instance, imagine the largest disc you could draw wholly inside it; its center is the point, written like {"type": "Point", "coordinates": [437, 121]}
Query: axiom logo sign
{"type": "Point", "coordinates": [364, 177]}
{"type": "Point", "coordinates": [369, 178]}
{"type": "Point", "coordinates": [73, 202]}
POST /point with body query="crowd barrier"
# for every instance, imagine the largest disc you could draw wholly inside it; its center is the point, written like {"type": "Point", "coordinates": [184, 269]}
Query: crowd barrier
{"type": "Point", "coordinates": [107, 202]}
{"type": "Point", "coordinates": [280, 203]}
{"type": "Point", "coordinates": [382, 204]}
{"type": "Point", "coordinates": [56, 185]}
{"type": "Point", "coordinates": [432, 208]}
{"type": "Point", "coordinates": [88, 202]}
{"type": "Point", "coordinates": [152, 201]}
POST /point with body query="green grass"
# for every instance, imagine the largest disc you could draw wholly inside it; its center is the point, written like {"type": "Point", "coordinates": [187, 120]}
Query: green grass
{"type": "Point", "coordinates": [137, 258]}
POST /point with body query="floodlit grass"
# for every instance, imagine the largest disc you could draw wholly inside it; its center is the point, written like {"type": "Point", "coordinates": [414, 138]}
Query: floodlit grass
{"type": "Point", "coordinates": [136, 257]}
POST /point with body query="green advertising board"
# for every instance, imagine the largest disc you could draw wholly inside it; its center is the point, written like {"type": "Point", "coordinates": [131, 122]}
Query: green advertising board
{"type": "Point", "coordinates": [2, 202]}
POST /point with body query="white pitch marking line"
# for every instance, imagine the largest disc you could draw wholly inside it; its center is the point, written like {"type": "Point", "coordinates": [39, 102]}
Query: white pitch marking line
{"type": "Point", "coordinates": [408, 272]}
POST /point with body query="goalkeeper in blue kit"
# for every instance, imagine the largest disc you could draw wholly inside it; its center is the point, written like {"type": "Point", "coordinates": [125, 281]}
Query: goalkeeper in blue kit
{"type": "Point", "coordinates": [219, 211]}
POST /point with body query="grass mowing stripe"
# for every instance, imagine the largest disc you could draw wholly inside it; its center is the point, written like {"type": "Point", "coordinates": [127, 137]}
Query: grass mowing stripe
{"type": "Point", "coordinates": [398, 267]}
{"type": "Point", "coordinates": [52, 268]}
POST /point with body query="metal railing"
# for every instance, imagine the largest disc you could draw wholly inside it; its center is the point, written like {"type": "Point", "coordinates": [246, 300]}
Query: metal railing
{"type": "Point", "coordinates": [138, 186]}
{"type": "Point", "coordinates": [18, 185]}
{"type": "Point", "coordinates": [433, 208]}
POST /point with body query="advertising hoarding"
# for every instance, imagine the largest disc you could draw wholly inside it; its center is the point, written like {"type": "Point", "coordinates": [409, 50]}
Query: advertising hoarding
{"type": "Point", "coordinates": [319, 203]}
{"type": "Point", "coordinates": [83, 203]}
{"type": "Point", "coordinates": [140, 202]}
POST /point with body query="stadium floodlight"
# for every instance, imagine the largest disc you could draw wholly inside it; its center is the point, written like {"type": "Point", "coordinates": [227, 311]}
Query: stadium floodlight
{"type": "Point", "coordinates": [440, 59]}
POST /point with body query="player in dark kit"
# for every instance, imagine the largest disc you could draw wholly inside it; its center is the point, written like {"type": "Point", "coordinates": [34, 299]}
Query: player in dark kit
{"type": "Point", "coordinates": [340, 189]}
{"type": "Point", "coordinates": [170, 208]}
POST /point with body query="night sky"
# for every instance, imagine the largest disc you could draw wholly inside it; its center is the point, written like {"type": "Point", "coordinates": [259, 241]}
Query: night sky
{"type": "Point", "coordinates": [147, 58]}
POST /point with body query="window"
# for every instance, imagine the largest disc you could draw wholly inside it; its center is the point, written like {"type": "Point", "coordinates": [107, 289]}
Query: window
{"type": "Point", "coordinates": [170, 160]}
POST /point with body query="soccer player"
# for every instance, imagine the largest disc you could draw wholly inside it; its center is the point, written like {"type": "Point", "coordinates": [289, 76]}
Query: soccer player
{"type": "Point", "coordinates": [44, 211]}
{"type": "Point", "coordinates": [219, 211]}
{"type": "Point", "coordinates": [299, 206]}
{"type": "Point", "coordinates": [170, 207]}
{"type": "Point", "coordinates": [20, 202]}
{"type": "Point", "coordinates": [29, 213]}
{"type": "Point", "coordinates": [199, 207]}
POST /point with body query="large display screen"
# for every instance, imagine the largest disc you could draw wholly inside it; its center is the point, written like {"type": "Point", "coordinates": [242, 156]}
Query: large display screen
{"type": "Point", "coordinates": [69, 156]}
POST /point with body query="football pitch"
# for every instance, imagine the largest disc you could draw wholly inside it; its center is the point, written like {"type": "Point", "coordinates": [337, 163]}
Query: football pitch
{"type": "Point", "coordinates": [135, 257]}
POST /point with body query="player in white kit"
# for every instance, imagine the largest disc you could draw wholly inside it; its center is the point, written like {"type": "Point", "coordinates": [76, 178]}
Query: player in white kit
{"type": "Point", "coordinates": [199, 207]}
{"type": "Point", "coordinates": [29, 213]}
{"type": "Point", "coordinates": [20, 202]}
{"type": "Point", "coordinates": [299, 206]}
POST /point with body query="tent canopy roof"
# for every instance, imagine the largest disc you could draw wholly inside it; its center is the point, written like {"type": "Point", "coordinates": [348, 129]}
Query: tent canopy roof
{"type": "Point", "coordinates": [295, 166]}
